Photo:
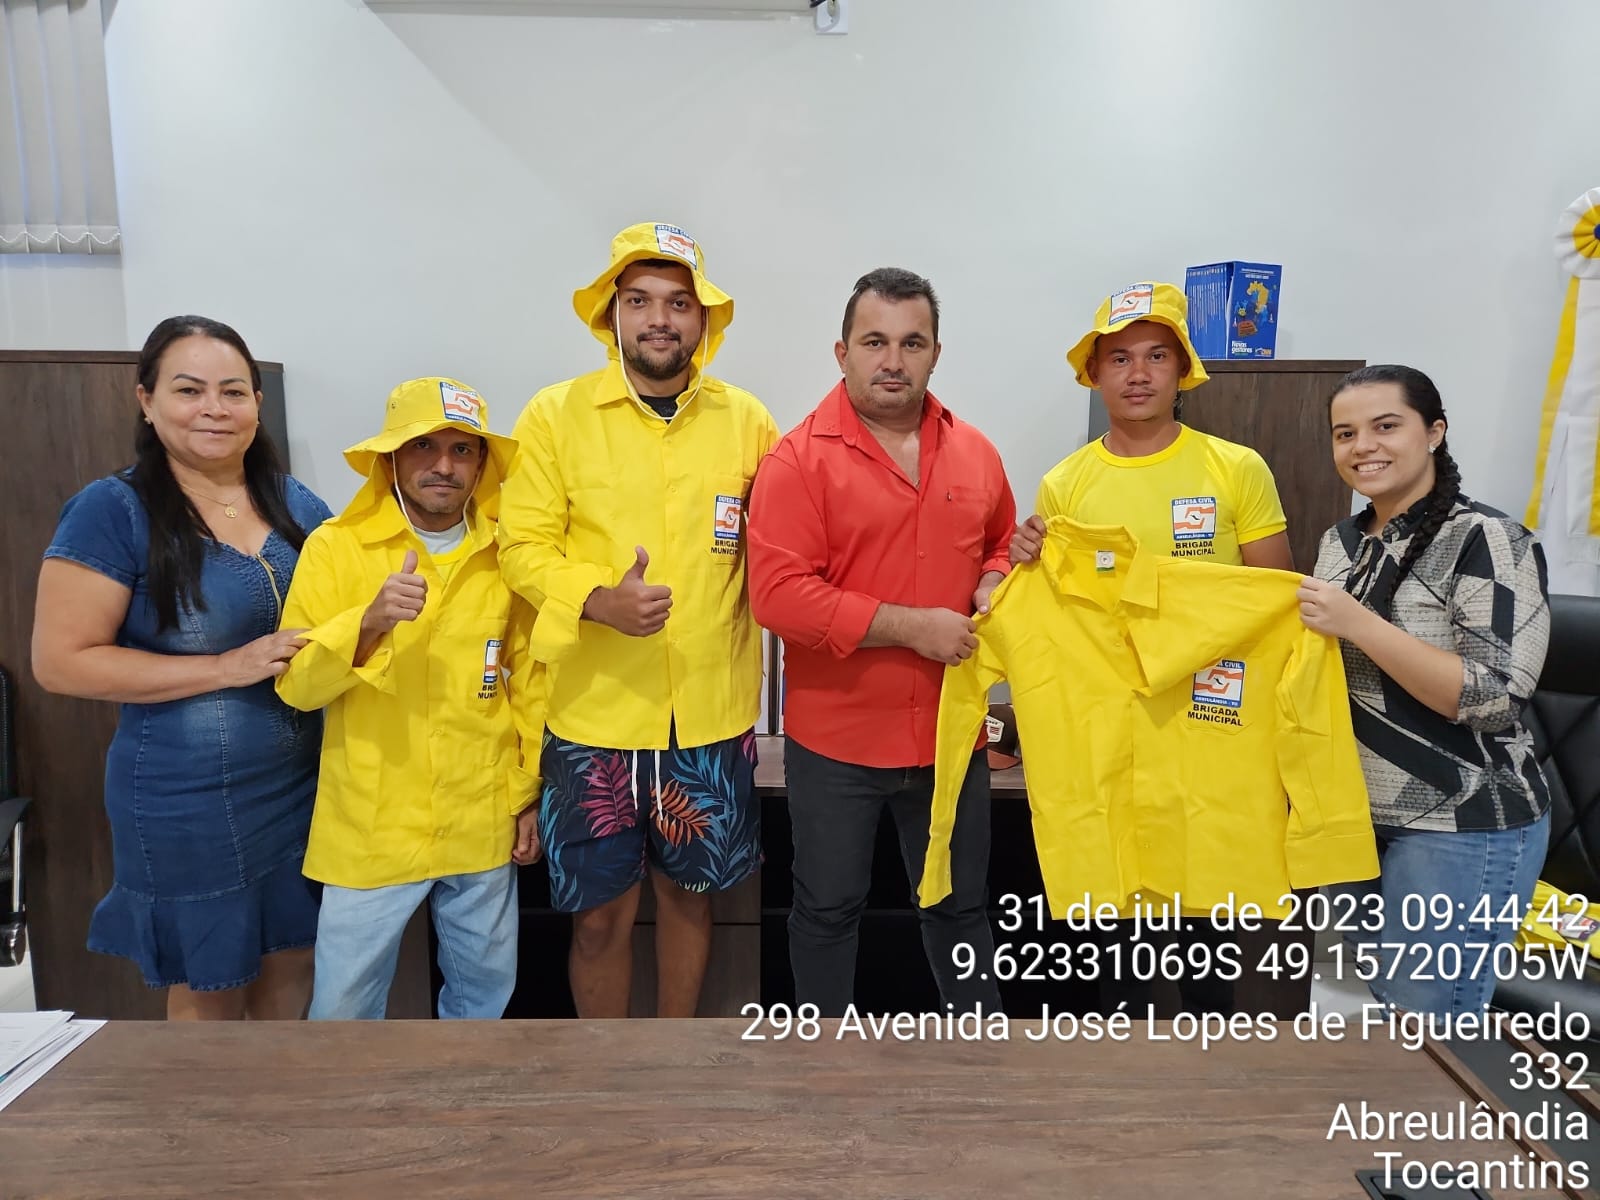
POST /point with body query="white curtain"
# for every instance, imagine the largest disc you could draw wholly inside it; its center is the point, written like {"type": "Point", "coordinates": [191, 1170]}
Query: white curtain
{"type": "Point", "coordinates": [57, 191]}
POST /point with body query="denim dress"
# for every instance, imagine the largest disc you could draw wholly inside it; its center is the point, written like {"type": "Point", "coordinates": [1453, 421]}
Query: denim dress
{"type": "Point", "coordinates": [209, 797]}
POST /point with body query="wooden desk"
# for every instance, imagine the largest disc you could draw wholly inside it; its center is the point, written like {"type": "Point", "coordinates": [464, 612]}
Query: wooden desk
{"type": "Point", "coordinates": [685, 1108]}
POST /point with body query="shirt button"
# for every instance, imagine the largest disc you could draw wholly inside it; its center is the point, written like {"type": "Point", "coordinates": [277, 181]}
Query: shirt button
{"type": "Point", "coordinates": [922, 554]}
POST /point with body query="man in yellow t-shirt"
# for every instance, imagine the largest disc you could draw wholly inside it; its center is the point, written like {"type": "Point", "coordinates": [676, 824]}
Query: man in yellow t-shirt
{"type": "Point", "coordinates": [1179, 492]}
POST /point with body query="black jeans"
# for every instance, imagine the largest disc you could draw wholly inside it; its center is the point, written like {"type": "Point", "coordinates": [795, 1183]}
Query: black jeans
{"type": "Point", "coordinates": [834, 808]}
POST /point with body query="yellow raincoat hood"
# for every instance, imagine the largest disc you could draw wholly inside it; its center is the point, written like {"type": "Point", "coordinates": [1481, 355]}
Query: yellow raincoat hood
{"type": "Point", "coordinates": [653, 240]}
{"type": "Point", "coordinates": [1159, 302]}
{"type": "Point", "coordinates": [418, 407]}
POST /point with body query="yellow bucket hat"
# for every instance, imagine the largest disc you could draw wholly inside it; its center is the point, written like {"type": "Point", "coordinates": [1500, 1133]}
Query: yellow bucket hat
{"type": "Point", "coordinates": [1159, 302]}
{"type": "Point", "coordinates": [427, 405]}
{"type": "Point", "coordinates": [670, 244]}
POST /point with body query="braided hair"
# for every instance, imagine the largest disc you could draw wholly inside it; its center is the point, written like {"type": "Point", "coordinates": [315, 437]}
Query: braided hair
{"type": "Point", "coordinates": [1422, 397]}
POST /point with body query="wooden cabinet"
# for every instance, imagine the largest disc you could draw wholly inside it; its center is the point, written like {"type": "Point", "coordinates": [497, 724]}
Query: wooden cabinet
{"type": "Point", "coordinates": [1280, 409]}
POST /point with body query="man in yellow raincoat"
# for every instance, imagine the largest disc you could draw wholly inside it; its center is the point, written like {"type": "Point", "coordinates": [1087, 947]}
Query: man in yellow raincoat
{"type": "Point", "coordinates": [624, 524]}
{"type": "Point", "coordinates": [419, 652]}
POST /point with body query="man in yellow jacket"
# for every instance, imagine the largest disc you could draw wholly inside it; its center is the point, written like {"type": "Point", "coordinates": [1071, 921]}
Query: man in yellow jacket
{"type": "Point", "coordinates": [419, 652]}
{"type": "Point", "coordinates": [623, 523]}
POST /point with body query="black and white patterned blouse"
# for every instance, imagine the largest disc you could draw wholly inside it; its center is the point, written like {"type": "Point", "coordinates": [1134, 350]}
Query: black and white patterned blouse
{"type": "Point", "coordinates": [1479, 590]}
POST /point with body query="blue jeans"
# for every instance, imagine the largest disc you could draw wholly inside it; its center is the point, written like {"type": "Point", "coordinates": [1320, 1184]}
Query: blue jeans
{"type": "Point", "coordinates": [1465, 867]}
{"type": "Point", "coordinates": [358, 943]}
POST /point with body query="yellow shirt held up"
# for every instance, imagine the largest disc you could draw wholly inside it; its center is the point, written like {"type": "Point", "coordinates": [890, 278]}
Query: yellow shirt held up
{"type": "Point", "coordinates": [1181, 730]}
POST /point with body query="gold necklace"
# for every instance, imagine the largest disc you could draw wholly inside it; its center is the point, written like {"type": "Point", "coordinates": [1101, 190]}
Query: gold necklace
{"type": "Point", "coordinates": [228, 509]}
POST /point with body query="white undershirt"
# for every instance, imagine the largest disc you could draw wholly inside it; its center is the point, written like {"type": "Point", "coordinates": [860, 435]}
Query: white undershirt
{"type": "Point", "coordinates": [444, 541]}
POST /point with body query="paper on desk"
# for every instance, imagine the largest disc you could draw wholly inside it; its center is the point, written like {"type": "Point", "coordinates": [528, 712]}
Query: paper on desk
{"type": "Point", "coordinates": [21, 1034]}
{"type": "Point", "coordinates": [54, 1035]}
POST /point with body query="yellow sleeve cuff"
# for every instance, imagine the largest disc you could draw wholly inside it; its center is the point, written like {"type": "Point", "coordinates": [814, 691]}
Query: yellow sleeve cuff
{"type": "Point", "coordinates": [323, 670]}
{"type": "Point", "coordinates": [555, 629]}
{"type": "Point", "coordinates": [1325, 859]}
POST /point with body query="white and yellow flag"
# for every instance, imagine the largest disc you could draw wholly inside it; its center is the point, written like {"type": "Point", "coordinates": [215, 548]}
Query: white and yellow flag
{"type": "Point", "coordinates": [1565, 508]}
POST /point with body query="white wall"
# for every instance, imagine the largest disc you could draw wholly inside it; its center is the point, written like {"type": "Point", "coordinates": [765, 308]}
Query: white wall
{"type": "Point", "coordinates": [374, 197]}
{"type": "Point", "coordinates": [61, 302]}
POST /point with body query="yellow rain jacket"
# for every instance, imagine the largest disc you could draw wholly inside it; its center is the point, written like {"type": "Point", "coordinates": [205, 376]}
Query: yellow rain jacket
{"type": "Point", "coordinates": [431, 747]}
{"type": "Point", "coordinates": [1181, 730]}
{"type": "Point", "coordinates": [599, 473]}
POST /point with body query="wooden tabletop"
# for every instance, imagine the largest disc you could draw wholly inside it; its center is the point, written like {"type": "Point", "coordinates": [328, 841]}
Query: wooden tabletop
{"type": "Point", "coordinates": [770, 780]}
{"type": "Point", "coordinates": [633, 1109]}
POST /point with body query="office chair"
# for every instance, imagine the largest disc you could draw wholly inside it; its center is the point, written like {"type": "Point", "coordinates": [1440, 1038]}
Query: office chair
{"type": "Point", "coordinates": [13, 914]}
{"type": "Point", "coordinates": [1564, 717]}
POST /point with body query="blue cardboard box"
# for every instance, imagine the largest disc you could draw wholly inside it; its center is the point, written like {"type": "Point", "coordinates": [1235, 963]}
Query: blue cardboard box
{"type": "Point", "coordinates": [1233, 309]}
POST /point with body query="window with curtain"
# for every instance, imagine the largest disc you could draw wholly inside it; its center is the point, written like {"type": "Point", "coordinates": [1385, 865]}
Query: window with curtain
{"type": "Point", "coordinates": [57, 191]}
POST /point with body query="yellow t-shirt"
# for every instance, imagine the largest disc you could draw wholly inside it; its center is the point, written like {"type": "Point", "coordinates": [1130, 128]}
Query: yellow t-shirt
{"type": "Point", "coordinates": [1201, 497]}
{"type": "Point", "coordinates": [445, 564]}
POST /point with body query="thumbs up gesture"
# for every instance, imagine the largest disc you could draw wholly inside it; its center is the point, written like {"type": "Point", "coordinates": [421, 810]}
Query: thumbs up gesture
{"type": "Point", "coordinates": [633, 607]}
{"type": "Point", "coordinates": [399, 599]}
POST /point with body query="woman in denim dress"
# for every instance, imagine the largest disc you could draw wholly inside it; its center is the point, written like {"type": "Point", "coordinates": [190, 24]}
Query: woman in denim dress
{"type": "Point", "coordinates": [162, 590]}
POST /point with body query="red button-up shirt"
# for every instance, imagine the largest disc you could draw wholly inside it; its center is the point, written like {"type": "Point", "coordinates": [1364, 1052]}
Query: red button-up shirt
{"type": "Point", "coordinates": [835, 529]}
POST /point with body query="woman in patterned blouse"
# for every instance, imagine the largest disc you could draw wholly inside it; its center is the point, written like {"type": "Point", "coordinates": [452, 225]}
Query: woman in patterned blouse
{"type": "Point", "coordinates": [1441, 609]}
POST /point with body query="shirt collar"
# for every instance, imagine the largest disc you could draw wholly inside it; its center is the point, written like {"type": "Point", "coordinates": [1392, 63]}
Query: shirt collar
{"type": "Point", "coordinates": [385, 522]}
{"type": "Point", "coordinates": [1068, 573]}
{"type": "Point", "coordinates": [612, 387]}
{"type": "Point", "coordinates": [837, 417]}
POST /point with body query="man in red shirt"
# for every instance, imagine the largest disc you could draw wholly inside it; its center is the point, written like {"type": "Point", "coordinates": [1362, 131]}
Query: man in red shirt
{"type": "Point", "coordinates": [876, 529]}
